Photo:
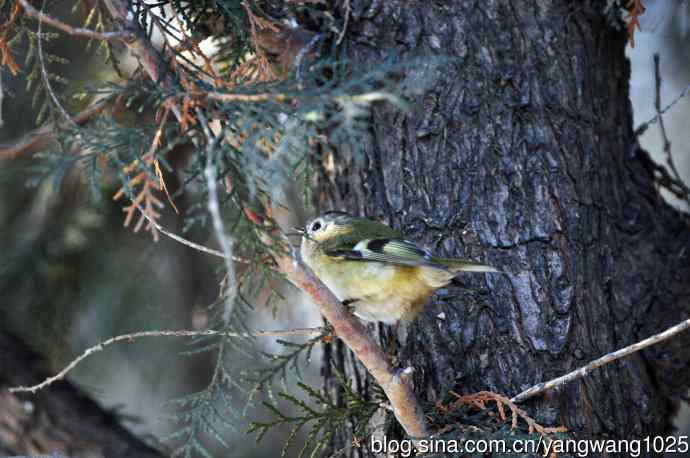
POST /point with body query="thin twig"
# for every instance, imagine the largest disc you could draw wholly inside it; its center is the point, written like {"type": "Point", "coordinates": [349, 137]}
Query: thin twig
{"type": "Point", "coordinates": [44, 72]}
{"type": "Point", "coordinates": [606, 359]}
{"type": "Point", "coordinates": [662, 128]}
{"type": "Point", "coordinates": [227, 97]}
{"type": "Point", "coordinates": [159, 173]}
{"type": "Point", "coordinates": [120, 35]}
{"type": "Point", "coordinates": [163, 333]}
{"type": "Point", "coordinates": [642, 128]}
{"type": "Point", "coordinates": [661, 174]}
{"type": "Point", "coordinates": [345, 24]}
{"type": "Point", "coordinates": [224, 240]}
{"type": "Point", "coordinates": [300, 57]}
{"type": "Point", "coordinates": [187, 242]}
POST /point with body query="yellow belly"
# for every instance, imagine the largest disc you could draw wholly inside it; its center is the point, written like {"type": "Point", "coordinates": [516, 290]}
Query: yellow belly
{"type": "Point", "coordinates": [383, 292]}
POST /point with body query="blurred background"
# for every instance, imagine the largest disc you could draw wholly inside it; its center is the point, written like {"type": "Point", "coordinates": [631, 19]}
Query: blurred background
{"type": "Point", "coordinates": [71, 275]}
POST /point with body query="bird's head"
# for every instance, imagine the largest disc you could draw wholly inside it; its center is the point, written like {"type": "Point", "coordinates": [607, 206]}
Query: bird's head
{"type": "Point", "coordinates": [329, 225]}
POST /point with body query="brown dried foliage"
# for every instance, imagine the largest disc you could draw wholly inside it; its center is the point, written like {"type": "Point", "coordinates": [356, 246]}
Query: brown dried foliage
{"type": "Point", "coordinates": [480, 399]}
{"type": "Point", "coordinates": [632, 20]}
{"type": "Point", "coordinates": [265, 71]}
{"type": "Point", "coordinates": [6, 57]}
{"type": "Point", "coordinates": [148, 186]}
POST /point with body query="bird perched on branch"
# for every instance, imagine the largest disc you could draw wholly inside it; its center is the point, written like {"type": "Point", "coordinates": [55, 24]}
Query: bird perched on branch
{"type": "Point", "coordinates": [371, 268]}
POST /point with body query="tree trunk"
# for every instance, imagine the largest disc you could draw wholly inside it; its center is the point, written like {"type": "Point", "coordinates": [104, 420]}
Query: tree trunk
{"type": "Point", "coordinates": [59, 420]}
{"type": "Point", "coordinates": [522, 155]}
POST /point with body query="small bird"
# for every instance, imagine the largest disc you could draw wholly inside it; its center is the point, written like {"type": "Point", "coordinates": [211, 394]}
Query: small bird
{"type": "Point", "coordinates": [371, 268]}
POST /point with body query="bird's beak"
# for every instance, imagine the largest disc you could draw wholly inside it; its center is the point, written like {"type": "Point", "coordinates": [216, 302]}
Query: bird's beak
{"type": "Point", "coordinates": [296, 231]}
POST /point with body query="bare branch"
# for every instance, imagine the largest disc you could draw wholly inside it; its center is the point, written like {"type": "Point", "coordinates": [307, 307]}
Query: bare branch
{"type": "Point", "coordinates": [228, 97]}
{"type": "Point", "coordinates": [214, 208]}
{"type": "Point", "coordinates": [303, 52]}
{"type": "Point", "coordinates": [606, 359]}
{"type": "Point", "coordinates": [184, 241]}
{"type": "Point", "coordinates": [642, 128]}
{"type": "Point", "coordinates": [120, 35]}
{"type": "Point", "coordinates": [662, 128]}
{"type": "Point", "coordinates": [341, 35]}
{"type": "Point", "coordinates": [44, 72]}
{"type": "Point", "coordinates": [164, 333]}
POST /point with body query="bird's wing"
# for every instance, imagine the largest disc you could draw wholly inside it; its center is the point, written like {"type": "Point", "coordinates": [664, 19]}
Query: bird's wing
{"type": "Point", "coordinates": [391, 251]}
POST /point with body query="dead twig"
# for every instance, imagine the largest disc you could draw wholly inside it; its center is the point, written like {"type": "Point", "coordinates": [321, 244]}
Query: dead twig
{"type": "Point", "coordinates": [163, 333]}
{"type": "Point", "coordinates": [188, 242]}
{"type": "Point", "coordinates": [228, 97]}
{"type": "Point", "coordinates": [606, 359]}
{"type": "Point", "coordinates": [662, 128]}
{"type": "Point", "coordinates": [224, 239]}
{"type": "Point", "coordinates": [480, 399]}
{"type": "Point", "coordinates": [341, 35]}
{"type": "Point", "coordinates": [148, 184]}
{"type": "Point", "coordinates": [642, 128]}
{"type": "Point", "coordinates": [661, 175]}
{"type": "Point", "coordinates": [44, 71]}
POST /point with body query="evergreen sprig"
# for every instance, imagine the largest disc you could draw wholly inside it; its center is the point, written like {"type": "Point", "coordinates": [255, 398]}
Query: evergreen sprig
{"type": "Point", "coordinates": [203, 412]}
{"type": "Point", "coordinates": [214, 409]}
{"type": "Point", "coordinates": [282, 365]}
{"type": "Point", "coordinates": [324, 416]}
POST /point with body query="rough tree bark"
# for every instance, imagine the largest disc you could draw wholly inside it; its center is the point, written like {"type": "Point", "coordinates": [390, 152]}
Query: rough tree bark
{"type": "Point", "coordinates": [522, 154]}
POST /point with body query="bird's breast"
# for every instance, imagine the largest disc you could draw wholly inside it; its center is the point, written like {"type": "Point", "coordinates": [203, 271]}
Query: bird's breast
{"type": "Point", "coordinates": [377, 291]}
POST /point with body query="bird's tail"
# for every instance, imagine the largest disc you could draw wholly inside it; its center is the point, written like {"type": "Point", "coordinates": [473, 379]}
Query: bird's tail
{"type": "Point", "coordinates": [462, 265]}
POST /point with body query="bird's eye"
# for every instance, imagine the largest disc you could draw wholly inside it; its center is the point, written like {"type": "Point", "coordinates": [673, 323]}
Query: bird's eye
{"type": "Point", "coordinates": [316, 226]}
